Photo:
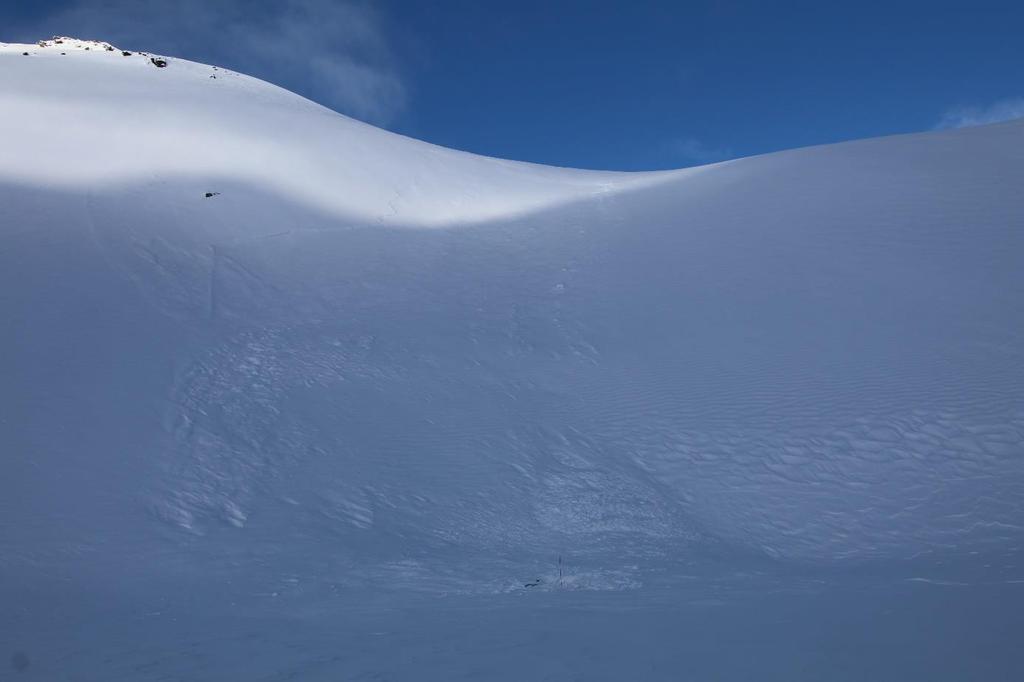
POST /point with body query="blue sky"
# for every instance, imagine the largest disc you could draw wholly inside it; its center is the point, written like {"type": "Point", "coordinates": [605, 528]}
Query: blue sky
{"type": "Point", "coordinates": [620, 85]}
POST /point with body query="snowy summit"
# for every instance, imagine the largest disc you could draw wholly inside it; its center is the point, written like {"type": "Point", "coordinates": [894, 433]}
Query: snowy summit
{"type": "Point", "coordinates": [226, 126]}
{"type": "Point", "coordinates": [256, 350]}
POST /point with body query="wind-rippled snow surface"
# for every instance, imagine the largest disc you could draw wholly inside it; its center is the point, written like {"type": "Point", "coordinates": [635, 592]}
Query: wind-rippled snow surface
{"type": "Point", "coordinates": [379, 410]}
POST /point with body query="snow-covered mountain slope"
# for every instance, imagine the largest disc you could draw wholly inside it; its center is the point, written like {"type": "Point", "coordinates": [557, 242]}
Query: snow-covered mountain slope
{"type": "Point", "coordinates": [192, 121]}
{"type": "Point", "coordinates": [814, 355]}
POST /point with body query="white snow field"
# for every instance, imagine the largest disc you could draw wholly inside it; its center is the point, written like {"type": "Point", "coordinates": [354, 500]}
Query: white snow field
{"type": "Point", "coordinates": [287, 396]}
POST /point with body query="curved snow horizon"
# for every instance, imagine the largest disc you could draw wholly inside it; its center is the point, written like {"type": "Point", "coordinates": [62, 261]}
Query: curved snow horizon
{"type": "Point", "coordinates": [285, 143]}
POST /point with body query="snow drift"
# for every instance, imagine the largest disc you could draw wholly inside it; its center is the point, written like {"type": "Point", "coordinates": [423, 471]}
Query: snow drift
{"type": "Point", "coordinates": [243, 333]}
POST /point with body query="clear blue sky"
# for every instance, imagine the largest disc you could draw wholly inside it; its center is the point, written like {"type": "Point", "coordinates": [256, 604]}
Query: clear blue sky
{"type": "Point", "coordinates": [623, 85]}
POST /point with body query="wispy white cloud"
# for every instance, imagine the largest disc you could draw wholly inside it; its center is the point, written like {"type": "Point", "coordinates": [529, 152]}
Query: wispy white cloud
{"type": "Point", "coordinates": [690, 150]}
{"type": "Point", "coordinates": [963, 117]}
{"type": "Point", "coordinates": [334, 51]}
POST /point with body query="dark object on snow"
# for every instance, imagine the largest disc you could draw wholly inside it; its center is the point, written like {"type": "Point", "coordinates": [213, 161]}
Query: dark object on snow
{"type": "Point", "coordinates": [24, 54]}
{"type": "Point", "coordinates": [109, 48]}
{"type": "Point", "coordinates": [158, 63]}
{"type": "Point", "coordinates": [126, 53]}
{"type": "Point", "coordinates": [41, 43]}
{"type": "Point", "coordinates": [211, 194]}
{"type": "Point", "coordinates": [64, 53]}
{"type": "Point", "coordinates": [20, 661]}
{"type": "Point", "coordinates": [212, 76]}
